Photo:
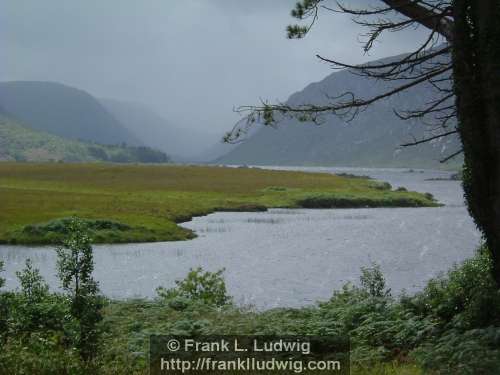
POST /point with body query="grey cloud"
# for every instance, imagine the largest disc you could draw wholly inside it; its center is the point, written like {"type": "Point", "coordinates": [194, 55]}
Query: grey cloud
{"type": "Point", "coordinates": [191, 60]}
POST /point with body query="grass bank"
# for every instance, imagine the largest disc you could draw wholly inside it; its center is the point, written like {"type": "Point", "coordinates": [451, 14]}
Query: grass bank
{"type": "Point", "coordinates": [144, 203]}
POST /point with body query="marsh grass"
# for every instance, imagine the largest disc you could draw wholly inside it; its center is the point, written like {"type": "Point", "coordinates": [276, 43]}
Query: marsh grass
{"type": "Point", "coordinates": [150, 200]}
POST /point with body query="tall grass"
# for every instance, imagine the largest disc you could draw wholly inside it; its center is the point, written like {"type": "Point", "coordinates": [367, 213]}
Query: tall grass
{"type": "Point", "coordinates": [145, 202]}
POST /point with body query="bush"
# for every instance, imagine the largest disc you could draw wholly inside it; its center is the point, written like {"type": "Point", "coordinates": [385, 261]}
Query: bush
{"type": "Point", "coordinates": [63, 226]}
{"type": "Point", "coordinates": [35, 309]}
{"type": "Point", "coordinates": [373, 281]}
{"type": "Point", "coordinates": [473, 352]}
{"type": "Point", "coordinates": [3, 309]}
{"type": "Point", "coordinates": [206, 287]}
{"type": "Point", "coordinates": [2, 280]}
{"type": "Point", "coordinates": [342, 201]}
{"type": "Point", "coordinates": [466, 297]}
{"type": "Point", "coordinates": [379, 185]}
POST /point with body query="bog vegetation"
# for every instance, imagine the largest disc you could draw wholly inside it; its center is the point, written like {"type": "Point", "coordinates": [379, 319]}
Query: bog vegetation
{"type": "Point", "coordinates": [451, 327]}
{"type": "Point", "coordinates": [140, 203]}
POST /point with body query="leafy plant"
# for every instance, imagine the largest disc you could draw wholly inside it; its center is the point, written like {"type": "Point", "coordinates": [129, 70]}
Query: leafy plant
{"type": "Point", "coordinates": [3, 309]}
{"type": "Point", "coordinates": [2, 280]}
{"type": "Point", "coordinates": [372, 280]}
{"type": "Point", "coordinates": [207, 287]}
{"type": "Point", "coordinates": [33, 286]}
{"type": "Point", "coordinates": [75, 265]}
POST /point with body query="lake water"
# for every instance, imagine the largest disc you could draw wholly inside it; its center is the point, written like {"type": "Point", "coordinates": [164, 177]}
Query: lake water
{"type": "Point", "coordinates": [290, 257]}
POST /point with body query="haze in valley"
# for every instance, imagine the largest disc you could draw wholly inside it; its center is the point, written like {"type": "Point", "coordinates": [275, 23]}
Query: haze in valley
{"type": "Point", "coordinates": [192, 62]}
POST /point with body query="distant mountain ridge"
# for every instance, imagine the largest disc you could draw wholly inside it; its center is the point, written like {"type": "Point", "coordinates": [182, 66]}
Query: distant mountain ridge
{"type": "Point", "coordinates": [371, 139]}
{"type": "Point", "coordinates": [64, 111]}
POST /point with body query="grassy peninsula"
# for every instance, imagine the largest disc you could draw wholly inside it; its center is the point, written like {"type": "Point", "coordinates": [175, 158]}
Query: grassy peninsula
{"type": "Point", "coordinates": [145, 203]}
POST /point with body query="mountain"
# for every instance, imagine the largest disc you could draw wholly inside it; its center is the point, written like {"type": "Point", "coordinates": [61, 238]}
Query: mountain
{"type": "Point", "coordinates": [62, 110]}
{"type": "Point", "coordinates": [371, 139]}
{"type": "Point", "coordinates": [20, 143]}
{"type": "Point", "coordinates": [154, 130]}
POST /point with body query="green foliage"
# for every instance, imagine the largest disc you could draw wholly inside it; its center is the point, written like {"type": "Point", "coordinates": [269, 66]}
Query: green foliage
{"type": "Point", "coordinates": [373, 281]}
{"type": "Point", "coordinates": [35, 308]}
{"type": "Point", "coordinates": [207, 287]}
{"type": "Point", "coordinates": [3, 309]}
{"type": "Point", "coordinates": [380, 185]}
{"type": "Point", "coordinates": [63, 226]}
{"type": "Point", "coordinates": [20, 143]}
{"type": "Point", "coordinates": [302, 10]}
{"type": "Point", "coordinates": [75, 259]}
{"type": "Point", "coordinates": [400, 199]}
{"type": "Point", "coordinates": [451, 327]}
{"type": "Point", "coordinates": [75, 265]}
{"type": "Point", "coordinates": [470, 352]}
{"type": "Point", "coordinates": [33, 286]}
{"type": "Point", "coordinates": [2, 280]}
{"type": "Point", "coordinates": [467, 297]}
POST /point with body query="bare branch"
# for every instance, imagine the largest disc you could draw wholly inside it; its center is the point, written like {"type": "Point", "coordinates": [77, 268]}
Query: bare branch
{"type": "Point", "coordinates": [425, 140]}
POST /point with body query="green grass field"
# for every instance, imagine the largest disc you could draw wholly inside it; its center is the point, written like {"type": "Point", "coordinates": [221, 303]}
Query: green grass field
{"type": "Point", "coordinates": [144, 203]}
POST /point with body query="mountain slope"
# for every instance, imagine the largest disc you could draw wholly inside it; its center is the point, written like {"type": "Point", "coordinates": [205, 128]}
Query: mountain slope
{"type": "Point", "coordinates": [372, 138]}
{"type": "Point", "coordinates": [155, 131]}
{"type": "Point", "coordinates": [62, 110]}
{"type": "Point", "coordinates": [20, 143]}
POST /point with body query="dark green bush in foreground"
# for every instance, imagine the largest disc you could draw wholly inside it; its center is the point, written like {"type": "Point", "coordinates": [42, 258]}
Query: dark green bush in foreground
{"type": "Point", "coordinates": [50, 333]}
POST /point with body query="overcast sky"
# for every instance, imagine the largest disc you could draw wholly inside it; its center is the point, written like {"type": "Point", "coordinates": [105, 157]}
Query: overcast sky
{"type": "Point", "coordinates": [193, 61]}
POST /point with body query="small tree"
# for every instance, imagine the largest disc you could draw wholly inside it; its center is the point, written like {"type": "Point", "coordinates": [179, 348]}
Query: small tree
{"type": "Point", "coordinates": [75, 265]}
{"type": "Point", "coordinates": [33, 307]}
{"type": "Point", "coordinates": [33, 286]}
{"type": "Point", "coordinates": [2, 281]}
{"type": "Point", "coordinates": [373, 281]}
{"type": "Point", "coordinates": [3, 309]}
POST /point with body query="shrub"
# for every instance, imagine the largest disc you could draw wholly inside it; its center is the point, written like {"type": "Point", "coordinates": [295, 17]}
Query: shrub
{"type": "Point", "coordinates": [3, 309]}
{"type": "Point", "coordinates": [343, 201]}
{"type": "Point", "coordinates": [379, 185]}
{"type": "Point", "coordinates": [373, 281]}
{"type": "Point", "coordinates": [473, 352]}
{"type": "Point", "coordinates": [206, 287]}
{"type": "Point", "coordinates": [34, 309]}
{"type": "Point", "coordinates": [63, 226]}
{"type": "Point", "coordinates": [467, 296]}
{"type": "Point", "coordinates": [33, 287]}
{"type": "Point", "coordinates": [2, 280]}
{"type": "Point", "coordinates": [75, 265]}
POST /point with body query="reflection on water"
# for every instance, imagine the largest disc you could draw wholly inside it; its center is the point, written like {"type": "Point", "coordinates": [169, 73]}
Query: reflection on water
{"type": "Point", "coordinates": [291, 257]}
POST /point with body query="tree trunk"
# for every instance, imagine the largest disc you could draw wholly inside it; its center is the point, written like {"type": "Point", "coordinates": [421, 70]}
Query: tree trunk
{"type": "Point", "coordinates": [476, 69]}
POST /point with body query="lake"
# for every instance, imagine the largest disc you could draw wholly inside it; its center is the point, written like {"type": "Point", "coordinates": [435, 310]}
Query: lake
{"type": "Point", "coordinates": [287, 257]}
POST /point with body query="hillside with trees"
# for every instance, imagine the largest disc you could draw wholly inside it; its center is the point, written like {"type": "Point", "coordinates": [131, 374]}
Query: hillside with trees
{"type": "Point", "coordinates": [20, 143]}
